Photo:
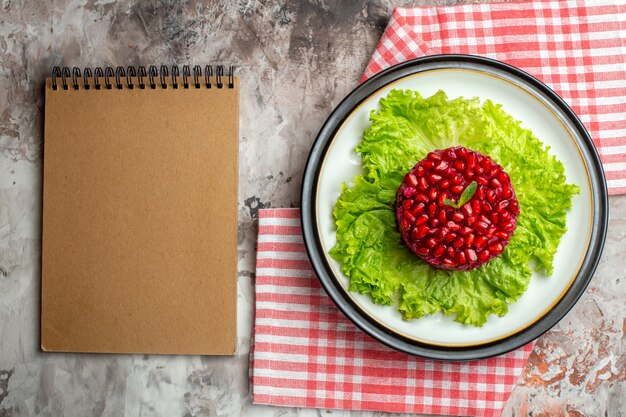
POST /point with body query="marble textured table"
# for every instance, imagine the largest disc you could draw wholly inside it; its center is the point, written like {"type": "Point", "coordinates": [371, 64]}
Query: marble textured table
{"type": "Point", "coordinates": [297, 60]}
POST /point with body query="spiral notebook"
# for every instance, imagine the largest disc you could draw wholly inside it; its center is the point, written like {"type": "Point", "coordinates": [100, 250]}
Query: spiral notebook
{"type": "Point", "coordinates": [139, 239]}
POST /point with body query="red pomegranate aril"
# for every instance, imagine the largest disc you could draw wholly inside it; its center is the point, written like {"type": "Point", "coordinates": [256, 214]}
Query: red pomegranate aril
{"type": "Point", "coordinates": [460, 258]}
{"type": "Point", "coordinates": [471, 161]}
{"type": "Point", "coordinates": [409, 191]}
{"type": "Point", "coordinates": [431, 241]}
{"type": "Point", "coordinates": [420, 220]}
{"type": "Point", "coordinates": [497, 248]}
{"type": "Point", "coordinates": [442, 166]}
{"type": "Point", "coordinates": [422, 183]}
{"type": "Point", "coordinates": [457, 216]}
{"type": "Point", "coordinates": [484, 255]}
{"type": "Point", "coordinates": [435, 177]}
{"type": "Point", "coordinates": [453, 226]}
{"type": "Point", "coordinates": [434, 156]}
{"type": "Point", "coordinates": [466, 230]}
{"type": "Point", "coordinates": [448, 262]}
{"type": "Point", "coordinates": [438, 251]}
{"type": "Point", "coordinates": [441, 215]}
{"type": "Point", "coordinates": [417, 209]}
{"type": "Point", "coordinates": [456, 238]}
{"type": "Point", "coordinates": [502, 235]}
{"type": "Point", "coordinates": [421, 198]}
{"type": "Point", "coordinates": [481, 241]}
{"type": "Point", "coordinates": [432, 209]}
{"type": "Point", "coordinates": [457, 189]}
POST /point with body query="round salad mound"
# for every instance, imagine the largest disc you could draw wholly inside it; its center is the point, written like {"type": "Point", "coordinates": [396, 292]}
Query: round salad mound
{"type": "Point", "coordinates": [456, 209]}
{"type": "Point", "coordinates": [404, 129]}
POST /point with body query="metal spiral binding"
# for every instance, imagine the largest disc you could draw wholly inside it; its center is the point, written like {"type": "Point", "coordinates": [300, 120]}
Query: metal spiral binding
{"type": "Point", "coordinates": [121, 78]}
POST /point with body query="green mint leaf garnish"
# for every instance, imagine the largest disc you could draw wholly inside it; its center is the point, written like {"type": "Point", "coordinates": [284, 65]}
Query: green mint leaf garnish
{"type": "Point", "coordinates": [467, 194]}
{"type": "Point", "coordinates": [449, 202]}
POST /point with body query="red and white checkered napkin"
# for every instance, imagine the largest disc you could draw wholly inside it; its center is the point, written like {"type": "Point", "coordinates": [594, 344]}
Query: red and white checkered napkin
{"type": "Point", "coordinates": [307, 354]}
{"type": "Point", "coordinates": [576, 47]}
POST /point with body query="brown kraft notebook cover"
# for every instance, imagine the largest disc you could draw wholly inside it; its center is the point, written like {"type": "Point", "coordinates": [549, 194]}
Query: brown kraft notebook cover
{"type": "Point", "coordinates": [139, 240]}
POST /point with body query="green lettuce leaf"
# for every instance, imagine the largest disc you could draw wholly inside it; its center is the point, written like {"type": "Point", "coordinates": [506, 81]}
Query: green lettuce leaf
{"type": "Point", "coordinates": [404, 129]}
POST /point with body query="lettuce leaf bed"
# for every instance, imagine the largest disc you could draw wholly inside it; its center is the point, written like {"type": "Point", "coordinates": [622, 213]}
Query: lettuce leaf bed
{"type": "Point", "coordinates": [407, 127]}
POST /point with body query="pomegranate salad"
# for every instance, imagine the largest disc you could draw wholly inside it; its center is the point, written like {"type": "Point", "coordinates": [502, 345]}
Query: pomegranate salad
{"type": "Point", "coordinates": [455, 203]}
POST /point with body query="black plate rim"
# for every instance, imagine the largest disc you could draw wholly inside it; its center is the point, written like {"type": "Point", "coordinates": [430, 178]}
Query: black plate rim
{"type": "Point", "coordinates": [361, 319]}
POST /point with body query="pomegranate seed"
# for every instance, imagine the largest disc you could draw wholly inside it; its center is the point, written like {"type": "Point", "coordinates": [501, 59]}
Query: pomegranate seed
{"type": "Point", "coordinates": [486, 164]}
{"type": "Point", "coordinates": [451, 154]}
{"type": "Point", "coordinates": [491, 196]}
{"type": "Point", "coordinates": [469, 239]}
{"type": "Point", "coordinates": [441, 215]}
{"type": "Point", "coordinates": [459, 166]}
{"type": "Point", "coordinates": [441, 166]}
{"type": "Point", "coordinates": [457, 189]}
{"type": "Point", "coordinates": [502, 235]}
{"type": "Point", "coordinates": [467, 209]}
{"type": "Point", "coordinates": [432, 209]}
{"type": "Point", "coordinates": [494, 218]}
{"type": "Point", "coordinates": [482, 181]}
{"type": "Point", "coordinates": [434, 156]}
{"type": "Point", "coordinates": [427, 164]}
{"type": "Point", "coordinates": [411, 179]}
{"type": "Point", "coordinates": [453, 226]}
{"type": "Point", "coordinates": [421, 232]}
{"type": "Point", "coordinates": [508, 225]}
{"type": "Point", "coordinates": [450, 237]}
{"type": "Point", "coordinates": [458, 242]}
{"type": "Point", "coordinates": [490, 231]}
{"type": "Point", "coordinates": [475, 206]}
{"type": "Point", "coordinates": [481, 242]}
{"type": "Point", "coordinates": [457, 216]}
{"type": "Point", "coordinates": [479, 170]}
{"type": "Point", "coordinates": [421, 198]}
{"type": "Point", "coordinates": [419, 171]}
{"type": "Point", "coordinates": [495, 183]}
{"type": "Point", "coordinates": [442, 233]}
{"type": "Point", "coordinates": [408, 192]}
{"type": "Point", "coordinates": [460, 258]}
{"type": "Point", "coordinates": [471, 161]}
{"type": "Point", "coordinates": [420, 220]}
{"type": "Point", "coordinates": [505, 215]}
{"type": "Point", "coordinates": [484, 255]}
{"type": "Point", "coordinates": [480, 193]}
{"type": "Point", "coordinates": [438, 251]}
{"type": "Point", "coordinates": [430, 242]}
{"type": "Point", "coordinates": [457, 179]}
{"type": "Point", "coordinates": [484, 219]}
{"type": "Point", "coordinates": [462, 152]}
{"type": "Point", "coordinates": [432, 193]}
{"type": "Point", "coordinates": [407, 203]}
{"type": "Point", "coordinates": [471, 255]}
{"type": "Point", "coordinates": [481, 225]}
{"type": "Point", "coordinates": [502, 205]}
{"type": "Point", "coordinates": [417, 209]}
{"type": "Point", "coordinates": [486, 207]}
{"type": "Point", "coordinates": [422, 251]}
{"type": "Point", "coordinates": [465, 230]}
{"type": "Point", "coordinates": [435, 177]}
{"type": "Point", "coordinates": [514, 207]}
{"type": "Point", "coordinates": [497, 248]}
{"type": "Point", "coordinates": [448, 261]}
{"type": "Point", "coordinates": [444, 184]}
{"type": "Point", "coordinates": [407, 215]}
{"type": "Point", "coordinates": [494, 171]}
{"type": "Point", "coordinates": [506, 192]}
{"type": "Point", "coordinates": [434, 223]}
{"type": "Point", "coordinates": [404, 224]}
{"type": "Point", "coordinates": [421, 182]}
{"type": "Point", "coordinates": [504, 179]}
{"type": "Point", "coordinates": [450, 251]}
{"type": "Point", "coordinates": [471, 219]}
{"type": "Point", "coordinates": [442, 196]}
